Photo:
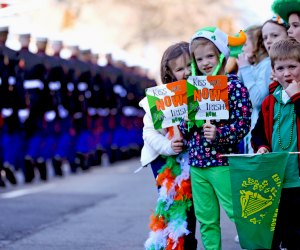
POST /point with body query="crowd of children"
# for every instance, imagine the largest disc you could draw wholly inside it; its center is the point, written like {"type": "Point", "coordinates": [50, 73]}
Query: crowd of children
{"type": "Point", "coordinates": [264, 114]}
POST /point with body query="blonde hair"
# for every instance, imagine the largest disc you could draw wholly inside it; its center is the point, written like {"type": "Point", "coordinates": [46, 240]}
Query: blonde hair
{"type": "Point", "coordinates": [285, 49]}
{"type": "Point", "coordinates": [203, 42]}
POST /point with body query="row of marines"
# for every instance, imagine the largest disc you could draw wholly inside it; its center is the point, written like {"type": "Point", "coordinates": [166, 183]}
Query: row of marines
{"type": "Point", "coordinates": [55, 110]}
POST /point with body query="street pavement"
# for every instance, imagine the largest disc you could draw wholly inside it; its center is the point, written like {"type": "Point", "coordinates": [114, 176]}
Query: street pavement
{"type": "Point", "coordinates": [106, 208]}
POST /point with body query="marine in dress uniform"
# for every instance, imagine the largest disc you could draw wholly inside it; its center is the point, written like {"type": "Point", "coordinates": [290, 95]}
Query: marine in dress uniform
{"type": "Point", "coordinates": [81, 77]}
{"type": "Point", "coordinates": [95, 105]}
{"type": "Point", "coordinates": [55, 113]}
{"type": "Point", "coordinates": [31, 75]}
{"type": "Point", "coordinates": [9, 109]}
{"type": "Point", "coordinates": [57, 81]}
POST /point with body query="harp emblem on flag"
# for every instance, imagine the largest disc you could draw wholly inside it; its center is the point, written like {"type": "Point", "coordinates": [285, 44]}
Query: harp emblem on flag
{"type": "Point", "coordinates": [255, 196]}
{"type": "Point", "coordinates": [253, 202]}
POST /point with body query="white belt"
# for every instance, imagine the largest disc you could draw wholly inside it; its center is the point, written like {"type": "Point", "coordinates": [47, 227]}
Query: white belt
{"type": "Point", "coordinates": [54, 85]}
{"type": "Point", "coordinates": [11, 80]}
{"type": "Point", "coordinates": [92, 111]}
{"type": "Point", "coordinates": [33, 84]}
{"type": "Point", "coordinates": [103, 112]}
{"type": "Point", "coordinates": [62, 112]}
{"type": "Point", "coordinates": [23, 114]}
{"type": "Point", "coordinates": [50, 115]}
{"type": "Point", "coordinates": [77, 115]}
{"type": "Point", "coordinates": [118, 89]}
{"type": "Point", "coordinates": [70, 86]}
{"type": "Point", "coordinates": [130, 111]}
{"type": "Point", "coordinates": [6, 112]}
{"type": "Point", "coordinates": [82, 86]}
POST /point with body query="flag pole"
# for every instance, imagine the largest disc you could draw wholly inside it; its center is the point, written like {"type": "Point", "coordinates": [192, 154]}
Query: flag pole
{"type": "Point", "coordinates": [234, 155]}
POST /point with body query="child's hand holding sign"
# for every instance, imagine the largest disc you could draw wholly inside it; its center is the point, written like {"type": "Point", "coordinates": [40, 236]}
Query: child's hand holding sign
{"type": "Point", "coordinates": [210, 131]}
{"type": "Point", "coordinates": [177, 145]}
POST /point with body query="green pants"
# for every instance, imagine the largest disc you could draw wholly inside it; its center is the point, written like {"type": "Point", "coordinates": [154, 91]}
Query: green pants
{"type": "Point", "coordinates": [211, 187]}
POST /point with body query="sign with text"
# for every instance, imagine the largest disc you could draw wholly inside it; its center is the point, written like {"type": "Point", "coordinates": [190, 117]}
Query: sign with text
{"type": "Point", "coordinates": [207, 97]}
{"type": "Point", "coordinates": [168, 104]}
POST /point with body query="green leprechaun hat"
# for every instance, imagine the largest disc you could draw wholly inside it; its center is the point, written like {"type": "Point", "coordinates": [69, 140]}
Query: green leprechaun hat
{"type": "Point", "coordinates": [222, 41]}
{"type": "Point", "coordinates": [286, 7]}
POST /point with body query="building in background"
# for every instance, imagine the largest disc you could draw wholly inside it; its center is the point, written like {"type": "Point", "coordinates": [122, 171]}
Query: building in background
{"type": "Point", "coordinates": [140, 29]}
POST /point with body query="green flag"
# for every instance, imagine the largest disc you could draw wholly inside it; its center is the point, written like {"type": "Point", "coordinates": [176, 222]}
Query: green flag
{"type": "Point", "coordinates": [256, 183]}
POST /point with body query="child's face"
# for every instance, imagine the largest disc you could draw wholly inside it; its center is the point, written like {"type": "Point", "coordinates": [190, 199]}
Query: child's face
{"type": "Point", "coordinates": [286, 71]}
{"type": "Point", "coordinates": [248, 50]}
{"type": "Point", "coordinates": [206, 58]}
{"type": "Point", "coordinates": [294, 30]}
{"type": "Point", "coordinates": [272, 33]}
{"type": "Point", "coordinates": [180, 66]}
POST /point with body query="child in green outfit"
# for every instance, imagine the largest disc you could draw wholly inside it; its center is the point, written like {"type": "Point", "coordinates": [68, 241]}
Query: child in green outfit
{"type": "Point", "coordinates": [209, 170]}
